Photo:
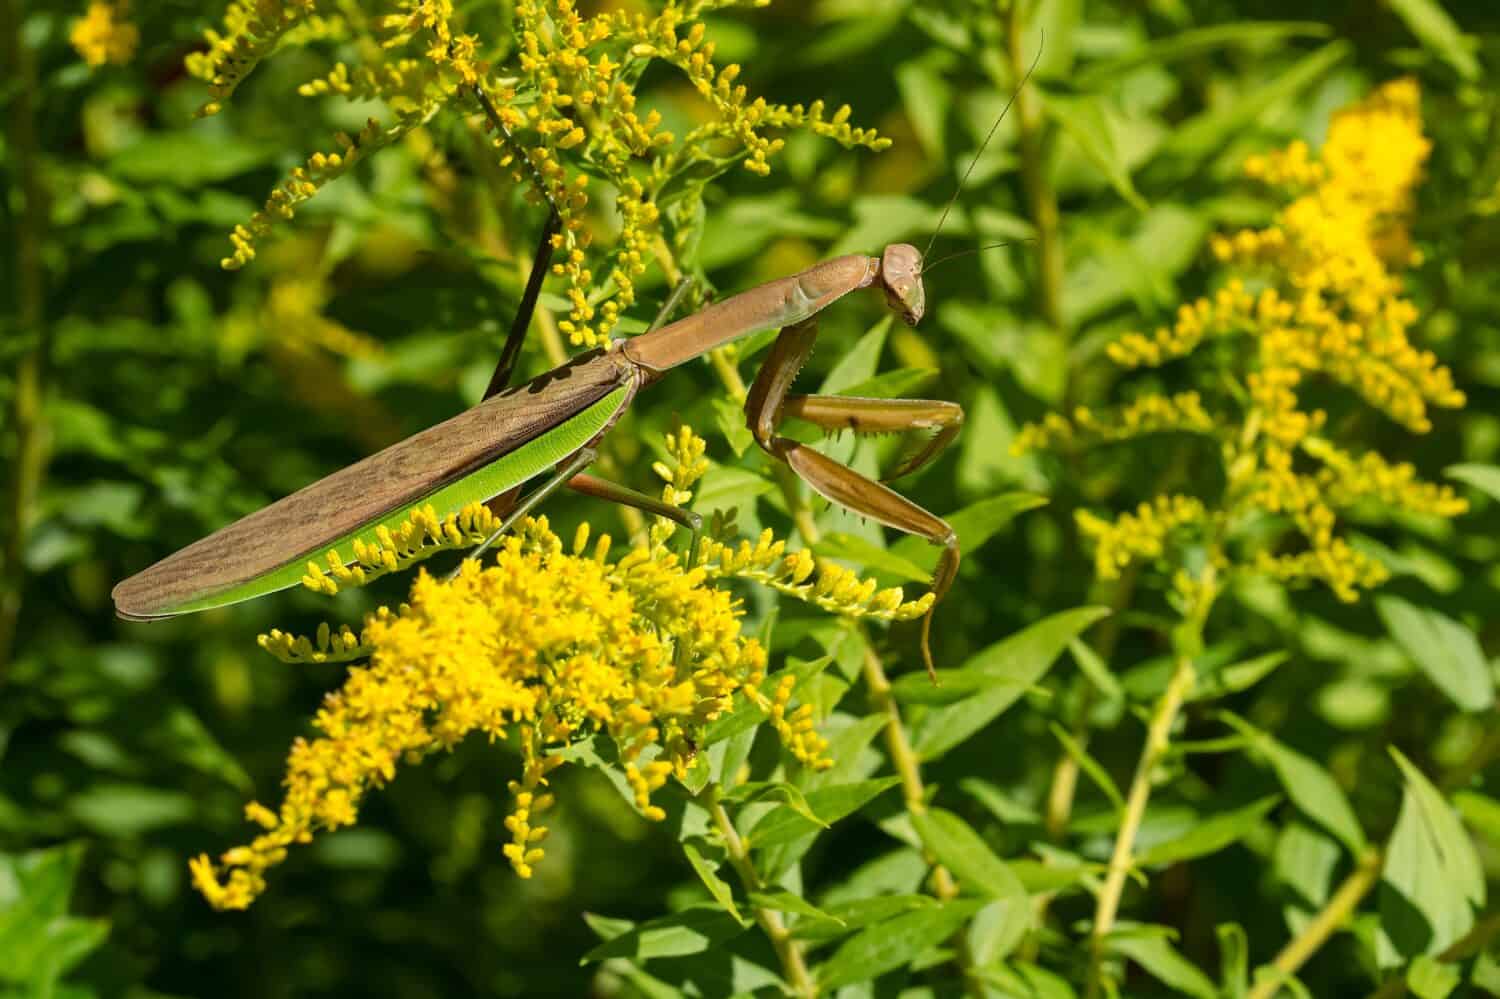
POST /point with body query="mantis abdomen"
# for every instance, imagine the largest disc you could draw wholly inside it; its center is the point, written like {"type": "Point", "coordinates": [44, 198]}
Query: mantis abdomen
{"type": "Point", "coordinates": [474, 456]}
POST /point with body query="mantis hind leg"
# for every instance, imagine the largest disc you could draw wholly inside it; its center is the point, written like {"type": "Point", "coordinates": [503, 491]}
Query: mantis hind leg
{"type": "Point", "coordinates": [768, 403]}
{"type": "Point", "coordinates": [576, 463]}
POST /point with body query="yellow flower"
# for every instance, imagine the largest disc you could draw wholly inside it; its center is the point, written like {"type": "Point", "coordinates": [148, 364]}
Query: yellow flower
{"type": "Point", "coordinates": [564, 100]}
{"type": "Point", "coordinates": [546, 646]}
{"type": "Point", "coordinates": [103, 35]}
{"type": "Point", "coordinates": [1330, 306]}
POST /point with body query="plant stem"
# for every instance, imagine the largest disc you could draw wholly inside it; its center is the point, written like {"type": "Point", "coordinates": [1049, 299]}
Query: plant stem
{"type": "Point", "coordinates": [27, 417]}
{"type": "Point", "coordinates": [1158, 736]}
{"type": "Point", "coordinates": [1158, 740]}
{"type": "Point", "coordinates": [1327, 922]}
{"type": "Point", "coordinates": [793, 966]}
{"type": "Point", "coordinates": [1041, 198]}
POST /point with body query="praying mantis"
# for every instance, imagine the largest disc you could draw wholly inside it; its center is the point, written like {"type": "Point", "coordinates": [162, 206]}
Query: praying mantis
{"type": "Point", "coordinates": [556, 420]}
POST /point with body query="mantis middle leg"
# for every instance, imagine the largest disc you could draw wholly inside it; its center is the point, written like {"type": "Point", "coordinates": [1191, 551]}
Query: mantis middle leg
{"type": "Point", "coordinates": [579, 481]}
{"type": "Point", "coordinates": [768, 404]}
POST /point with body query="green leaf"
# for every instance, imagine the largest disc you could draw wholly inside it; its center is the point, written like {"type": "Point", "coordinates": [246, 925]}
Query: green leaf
{"type": "Point", "coordinates": [960, 849]}
{"type": "Point", "coordinates": [1310, 787]}
{"type": "Point", "coordinates": [1431, 979]}
{"type": "Point", "coordinates": [856, 914]}
{"type": "Point", "coordinates": [39, 941]}
{"type": "Point", "coordinates": [894, 943]}
{"type": "Point", "coordinates": [785, 823]}
{"type": "Point", "coordinates": [1438, 34]}
{"type": "Point", "coordinates": [1020, 978]}
{"type": "Point", "coordinates": [1090, 766]}
{"type": "Point", "coordinates": [1236, 677]}
{"type": "Point", "coordinates": [128, 810]}
{"type": "Point", "coordinates": [1084, 119]}
{"type": "Point", "coordinates": [726, 486]}
{"type": "Point", "coordinates": [730, 420]}
{"type": "Point", "coordinates": [1210, 835]}
{"type": "Point", "coordinates": [691, 931]}
{"type": "Point", "coordinates": [1210, 131]}
{"type": "Point", "coordinates": [927, 97]}
{"type": "Point", "coordinates": [1485, 478]}
{"type": "Point", "coordinates": [1432, 880]}
{"type": "Point", "coordinates": [717, 886]}
{"type": "Point", "coordinates": [865, 553]}
{"type": "Point", "coordinates": [190, 158]}
{"type": "Point", "coordinates": [1481, 812]}
{"type": "Point", "coordinates": [788, 794]}
{"type": "Point", "coordinates": [1486, 973]}
{"type": "Point", "coordinates": [785, 901]}
{"type": "Point", "coordinates": [1234, 960]}
{"type": "Point", "coordinates": [999, 675]}
{"type": "Point", "coordinates": [900, 383]}
{"type": "Point", "coordinates": [1304, 861]}
{"type": "Point", "coordinates": [1196, 41]}
{"type": "Point", "coordinates": [1154, 952]}
{"type": "Point", "coordinates": [1097, 671]}
{"type": "Point", "coordinates": [998, 928]}
{"type": "Point", "coordinates": [860, 363]}
{"type": "Point", "coordinates": [1442, 648]}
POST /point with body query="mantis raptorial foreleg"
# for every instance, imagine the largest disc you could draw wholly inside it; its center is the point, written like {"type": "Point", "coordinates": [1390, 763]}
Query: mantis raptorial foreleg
{"type": "Point", "coordinates": [766, 406]}
{"type": "Point", "coordinates": [879, 416]}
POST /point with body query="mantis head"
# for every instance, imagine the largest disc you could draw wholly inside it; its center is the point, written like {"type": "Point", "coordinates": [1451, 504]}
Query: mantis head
{"type": "Point", "coordinates": [901, 280]}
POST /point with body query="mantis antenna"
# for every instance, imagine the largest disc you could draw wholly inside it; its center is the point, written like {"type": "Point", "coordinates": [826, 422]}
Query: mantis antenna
{"type": "Point", "coordinates": [929, 265]}
{"type": "Point", "coordinates": [980, 152]}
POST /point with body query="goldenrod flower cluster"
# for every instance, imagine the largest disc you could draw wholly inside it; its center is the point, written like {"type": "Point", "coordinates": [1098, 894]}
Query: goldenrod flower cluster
{"type": "Point", "coordinates": [566, 111]}
{"type": "Point", "coordinates": [103, 34]}
{"type": "Point", "coordinates": [1152, 414]}
{"type": "Point", "coordinates": [544, 646]}
{"type": "Point", "coordinates": [1319, 295]}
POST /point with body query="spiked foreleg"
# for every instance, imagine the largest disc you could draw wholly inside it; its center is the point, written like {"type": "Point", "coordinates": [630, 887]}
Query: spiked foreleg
{"type": "Point", "coordinates": [879, 416]}
{"type": "Point", "coordinates": [768, 403]}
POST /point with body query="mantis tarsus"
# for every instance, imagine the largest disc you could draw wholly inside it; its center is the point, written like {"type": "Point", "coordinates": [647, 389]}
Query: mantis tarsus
{"type": "Point", "coordinates": [554, 421]}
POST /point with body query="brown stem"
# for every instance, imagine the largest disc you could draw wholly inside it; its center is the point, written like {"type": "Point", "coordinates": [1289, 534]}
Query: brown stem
{"type": "Point", "coordinates": [27, 417]}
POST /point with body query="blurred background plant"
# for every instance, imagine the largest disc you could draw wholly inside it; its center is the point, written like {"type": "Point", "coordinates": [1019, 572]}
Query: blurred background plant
{"type": "Point", "coordinates": [1315, 799]}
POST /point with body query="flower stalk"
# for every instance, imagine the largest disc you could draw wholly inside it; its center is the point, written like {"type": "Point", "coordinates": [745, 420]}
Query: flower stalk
{"type": "Point", "coordinates": [788, 950]}
{"type": "Point", "coordinates": [1360, 882]}
{"type": "Point", "coordinates": [1189, 640]}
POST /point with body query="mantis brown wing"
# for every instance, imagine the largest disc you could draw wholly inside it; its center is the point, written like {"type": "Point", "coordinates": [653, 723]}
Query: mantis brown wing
{"type": "Point", "coordinates": [477, 454]}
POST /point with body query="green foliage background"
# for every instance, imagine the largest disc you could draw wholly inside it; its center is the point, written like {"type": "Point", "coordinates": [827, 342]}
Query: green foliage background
{"type": "Point", "coordinates": [175, 398]}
